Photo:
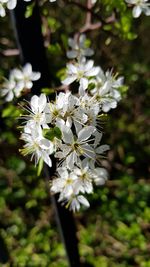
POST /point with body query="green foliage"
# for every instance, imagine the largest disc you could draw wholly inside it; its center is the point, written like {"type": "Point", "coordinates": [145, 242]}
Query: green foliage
{"type": "Point", "coordinates": [29, 10]}
{"type": "Point", "coordinates": [10, 111]}
{"type": "Point", "coordinates": [52, 133]}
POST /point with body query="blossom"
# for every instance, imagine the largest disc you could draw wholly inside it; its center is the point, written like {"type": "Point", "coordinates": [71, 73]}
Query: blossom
{"type": "Point", "coordinates": [81, 72]}
{"type": "Point", "coordinates": [75, 147]}
{"type": "Point", "coordinates": [79, 48]}
{"type": "Point", "coordinates": [8, 89]}
{"type": "Point", "coordinates": [100, 176]}
{"type": "Point", "coordinates": [106, 90]}
{"type": "Point", "coordinates": [139, 7]}
{"type": "Point", "coordinates": [64, 184]}
{"type": "Point", "coordinates": [83, 182]}
{"type": "Point", "coordinates": [37, 111]}
{"type": "Point", "coordinates": [25, 77]}
{"type": "Point", "coordinates": [19, 80]}
{"type": "Point", "coordinates": [36, 145]}
{"type": "Point", "coordinates": [10, 4]}
{"type": "Point", "coordinates": [76, 201]}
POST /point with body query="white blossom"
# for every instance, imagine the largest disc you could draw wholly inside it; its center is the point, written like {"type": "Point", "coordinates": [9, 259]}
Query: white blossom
{"type": "Point", "coordinates": [37, 110]}
{"type": "Point", "coordinates": [83, 182]}
{"type": "Point", "coordinates": [64, 184]}
{"type": "Point", "coordinates": [100, 176]}
{"type": "Point", "coordinates": [10, 4]}
{"type": "Point", "coordinates": [76, 202]}
{"type": "Point", "coordinates": [81, 72]}
{"type": "Point", "coordinates": [8, 89]}
{"type": "Point", "coordinates": [106, 90]}
{"type": "Point", "coordinates": [25, 78]}
{"type": "Point", "coordinates": [75, 147]}
{"type": "Point", "coordinates": [79, 48]}
{"type": "Point", "coordinates": [139, 7]}
{"type": "Point", "coordinates": [36, 145]}
{"type": "Point", "coordinates": [19, 80]}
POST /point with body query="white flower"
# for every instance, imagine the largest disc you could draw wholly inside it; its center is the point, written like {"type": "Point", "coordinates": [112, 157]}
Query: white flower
{"type": "Point", "coordinates": [91, 109]}
{"type": "Point", "coordinates": [8, 89]}
{"type": "Point", "coordinates": [139, 7]}
{"type": "Point", "coordinates": [25, 78]}
{"type": "Point", "coordinates": [63, 107]}
{"type": "Point", "coordinates": [83, 182]}
{"type": "Point", "coordinates": [76, 201]}
{"type": "Point", "coordinates": [37, 110]}
{"type": "Point", "coordinates": [75, 147]}
{"type": "Point", "coordinates": [105, 91]}
{"type": "Point", "coordinates": [64, 184]}
{"type": "Point", "coordinates": [19, 80]}
{"type": "Point", "coordinates": [81, 72]}
{"type": "Point", "coordinates": [79, 48]}
{"type": "Point", "coordinates": [36, 145]}
{"type": "Point", "coordinates": [10, 4]}
{"type": "Point", "coordinates": [100, 176]}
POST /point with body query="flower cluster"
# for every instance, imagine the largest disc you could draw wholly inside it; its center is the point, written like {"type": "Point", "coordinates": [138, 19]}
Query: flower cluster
{"type": "Point", "coordinates": [19, 81]}
{"type": "Point", "coordinates": [139, 7]}
{"type": "Point", "coordinates": [69, 128]}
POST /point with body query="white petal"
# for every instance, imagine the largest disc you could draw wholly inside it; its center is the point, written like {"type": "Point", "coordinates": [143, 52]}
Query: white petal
{"type": "Point", "coordinates": [72, 54]}
{"type": "Point", "coordinates": [69, 80]}
{"type": "Point", "coordinates": [75, 205]}
{"type": "Point", "coordinates": [84, 83]}
{"type": "Point", "coordinates": [46, 158]}
{"type": "Point", "coordinates": [88, 151]}
{"type": "Point", "coordinates": [28, 84]}
{"type": "Point", "coordinates": [70, 160]}
{"type": "Point", "coordinates": [42, 102]}
{"type": "Point", "coordinates": [17, 74]}
{"type": "Point", "coordinates": [89, 65]}
{"type": "Point", "coordinates": [10, 96]}
{"type": "Point", "coordinates": [72, 43]}
{"type": "Point", "coordinates": [34, 103]}
{"type": "Point", "coordinates": [98, 137]}
{"type": "Point", "coordinates": [72, 69]}
{"type": "Point", "coordinates": [11, 4]}
{"type": "Point", "coordinates": [45, 144]}
{"type": "Point", "coordinates": [136, 11]}
{"type": "Point", "coordinates": [27, 69]}
{"type": "Point", "coordinates": [105, 88]}
{"type": "Point", "coordinates": [82, 39]}
{"type": "Point", "coordinates": [83, 201]}
{"type": "Point", "coordinates": [35, 76]}
{"type": "Point", "coordinates": [93, 72]}
{"type": "Point", "coordinates": [67, 134]}
{"type": "Point", "coordinates": [2, 11]}
{"type": "Point", "coordinates": [101, 149]}
{"type": "Point", "coordinates": [85, 133]}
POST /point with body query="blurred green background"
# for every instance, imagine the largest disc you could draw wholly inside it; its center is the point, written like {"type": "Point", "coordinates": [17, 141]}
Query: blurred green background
{"type": "Point", "coordinates": [115, 230]}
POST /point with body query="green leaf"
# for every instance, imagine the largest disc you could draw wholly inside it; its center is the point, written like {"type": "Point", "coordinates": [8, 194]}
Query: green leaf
{"type": "Point", "coordinates": [52, 133]}
{"type": "Point", "coordinates": [57, 132]}
{"type": "Point", "coordinates": [10, 111]}
{"type": "Point", "coordinates": [29, 10]}
{"type": "Point", "coordinates": [40, 167]}
{"type": "Point", "coordinates": [48, 91]}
